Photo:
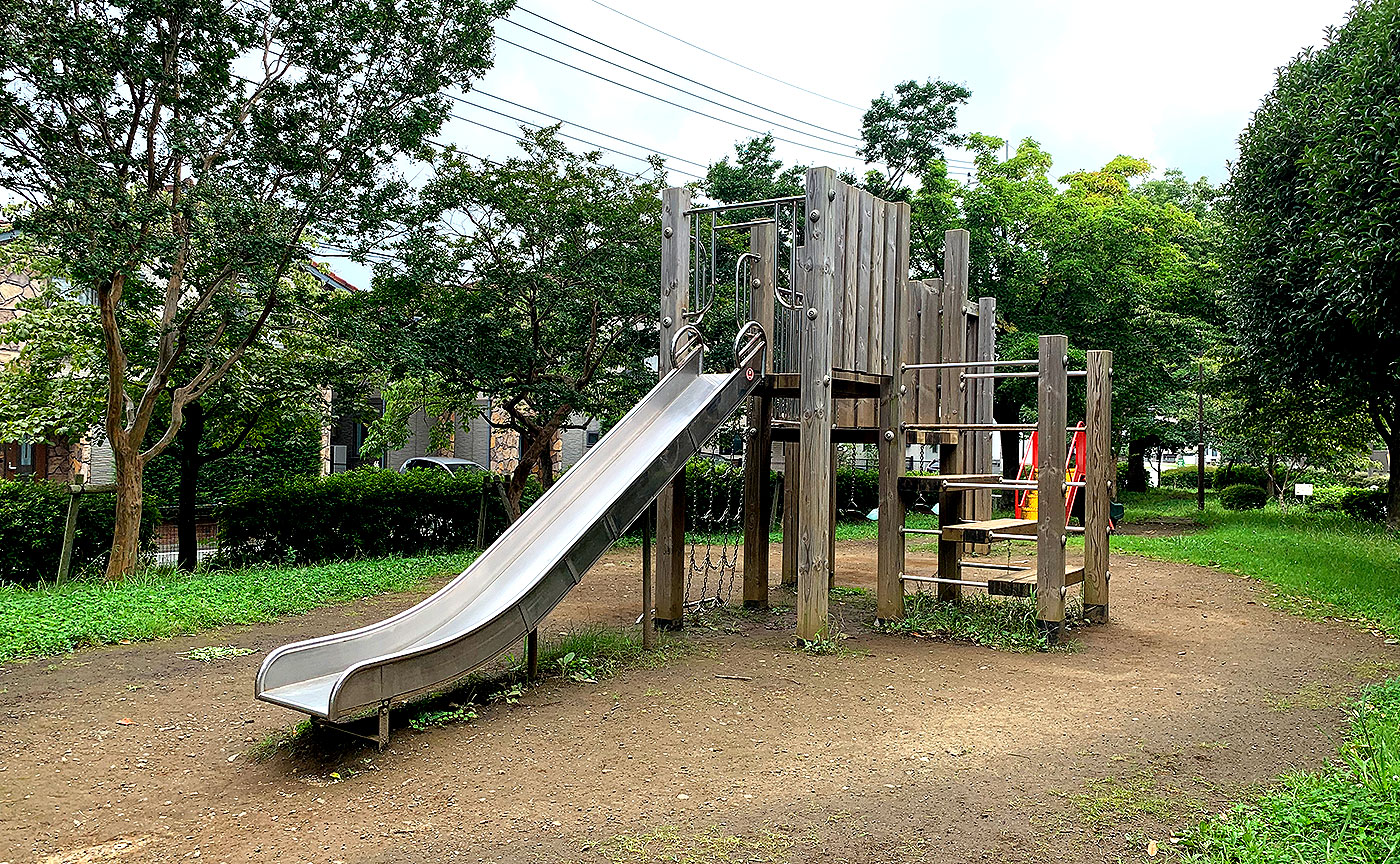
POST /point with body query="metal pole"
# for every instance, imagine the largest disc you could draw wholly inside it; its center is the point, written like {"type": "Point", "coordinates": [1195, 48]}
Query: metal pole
{"type": "Point", "coordinates": [1200, 435]}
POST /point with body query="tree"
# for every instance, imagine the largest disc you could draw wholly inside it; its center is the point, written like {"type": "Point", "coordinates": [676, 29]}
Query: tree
{"type": "Point", "coordinates": [50, 388]}
{"type": "Point", "coordinates": [754, 175]}
{"type": "Point", "coordinates": [907, 133]}
{"type": "Point", "coordinates": [532, 282]}
{"type": "Point", "coordinates": [1101, 263]}
{"type": "Point", "coordinates": [178, 192]}
{"type": "Point", "coordinates": [1313, 224]}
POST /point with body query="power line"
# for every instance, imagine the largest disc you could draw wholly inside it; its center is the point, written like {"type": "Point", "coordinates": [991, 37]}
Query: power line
{"type": "Point", "coordinates": [673, 104]}
{"type": "Point", "coordinates": [725, 59]}
{"type": "Point", "coordinates": [578, 126]}
{"type": "Point", "coordinates": [680, 76]}
{"type": "Point", "coordinates": [674, 87]}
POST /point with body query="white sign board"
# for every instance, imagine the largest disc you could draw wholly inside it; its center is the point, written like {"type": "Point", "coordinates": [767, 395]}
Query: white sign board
{"type": "Point", "coordinates": [1302, 490]}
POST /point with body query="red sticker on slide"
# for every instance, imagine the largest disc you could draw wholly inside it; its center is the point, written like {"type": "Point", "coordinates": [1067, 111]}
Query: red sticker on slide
{"type": "Point", "coordinates": [748, 373]}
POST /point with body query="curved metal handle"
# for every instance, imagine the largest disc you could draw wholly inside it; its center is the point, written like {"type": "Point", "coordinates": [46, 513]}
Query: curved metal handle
{"type": "Point", "coordinates": [681, 353]}
{"type": "Point", "coordinates": [750, 340]}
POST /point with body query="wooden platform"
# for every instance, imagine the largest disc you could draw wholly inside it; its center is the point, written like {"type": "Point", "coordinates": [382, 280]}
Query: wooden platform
{"type": "Point", "coordinates": [913, 484]}
{"type": "Point", "coordinates": [845, 384]}
{"type": "Point", "coordinates": [921, 436]}
{"type": "Point", "coordinates": [981, 532]}
{"type": "Point", "coordinates": [1021, 583]}
{"type": "Point", "coordinates": [789, 431]}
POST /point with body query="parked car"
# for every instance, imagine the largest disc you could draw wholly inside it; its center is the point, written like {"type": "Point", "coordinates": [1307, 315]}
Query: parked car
{"type": "Point", "coordinates": [449, 464]}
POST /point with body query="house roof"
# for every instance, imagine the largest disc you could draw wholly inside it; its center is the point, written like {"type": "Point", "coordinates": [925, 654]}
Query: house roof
{"type": "Point", "coordinates": [326, 275]}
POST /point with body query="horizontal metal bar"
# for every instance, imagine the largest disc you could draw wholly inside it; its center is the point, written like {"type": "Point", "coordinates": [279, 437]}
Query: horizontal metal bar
{"type": "Point", "coordinates": [748, 224]}
{"type": "Point", "coordinates": [966, 375]}
{"type": "Point", "coordinates": [767, 202]}
{"type": "Point", "coordinates": [969, 364]}
{"type": "Point", "coordinates": [975, 566]}
{"type": "Point", "coordinates": [1076, 373]}
{"type": "Point", "coordinates": [971, 427]}
{"type": "Point", "coordinates": [933, 531]}
{"type": "Point", "coordinates": [905, 577]}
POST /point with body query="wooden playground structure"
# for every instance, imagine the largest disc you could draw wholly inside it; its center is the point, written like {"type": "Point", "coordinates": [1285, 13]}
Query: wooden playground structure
{"type": "Point", "coordinates": [864, 355]}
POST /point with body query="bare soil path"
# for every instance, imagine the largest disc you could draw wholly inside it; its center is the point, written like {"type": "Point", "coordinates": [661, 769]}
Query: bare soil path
{"type": "Point", "coordinates": [897, 749]}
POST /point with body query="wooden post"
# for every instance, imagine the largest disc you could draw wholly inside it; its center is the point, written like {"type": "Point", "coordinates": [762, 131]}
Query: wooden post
{"type": "Point", "coordinates": [982, 413]}
{"type": "Point", "coordinates": [814, 508]}
{"type": "Point", "coordinates": [648, 622]}
{"type": "Point", "coordinates": [670, 510]}
{"type": "Point", "coordinates": [953, 343]}
{"type": "Point", "coordinates": [889, 543]}
{"type": "Point", "coordinates": [758, 447]}
{"type": "Point", "coordinates": [70, 528]}
{"type": "Point", "coordinates": [1050, 492]}
{"type": "Point", "coordinates": [1097, 485]}
{"type": "Point", "coordinates": [792, 486]}
{"type": "Point", "coordinates": [949, 551]}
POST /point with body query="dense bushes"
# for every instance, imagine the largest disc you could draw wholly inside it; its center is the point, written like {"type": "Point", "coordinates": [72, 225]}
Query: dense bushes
{"type": "Point", "coordinates": [1242, 496]}
{"type": "Point", "coordinates": [715, 490]}
{"type": "Point", "coordinates": [32, 516]}
{"type": "Point", "coordinates": [366, 513]}
{"type": "Point", "coordinates": [1184, 477]}
{"type": "Point", "coordinates": [1358, 503]}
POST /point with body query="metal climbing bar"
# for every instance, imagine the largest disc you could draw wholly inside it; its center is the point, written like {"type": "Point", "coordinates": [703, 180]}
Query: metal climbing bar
{"type": "Point", "coordinates": [967, 364]}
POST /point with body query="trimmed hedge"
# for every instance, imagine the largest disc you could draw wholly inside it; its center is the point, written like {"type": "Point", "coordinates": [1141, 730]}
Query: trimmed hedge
{"type": "Point", "coordinates": [715, 492]}
{"type": "Point", "coordinates": [32, 516]}
{"type": "Point", "coordinates": [368, 513]}
{"type": "Point", "coordinates": [1242, 496]}
{"type": "Point", "coordinates": [1184, 477]}
{"type": "Point", "coordinates": [1359, 503]}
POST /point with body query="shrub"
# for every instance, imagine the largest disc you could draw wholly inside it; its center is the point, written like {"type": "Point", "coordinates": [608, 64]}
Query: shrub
{"type": "Point", "coordinates": [715, 491]}
{"type": "Point", "coordinates": [1235, 475]}
{"type": "Point", "coordinates": [32, 516]}
{"type": "Point", "coordinates": [1184, 477]}
{"type": "Point", "coordinates": [1242, 496]}
{"type": "Point", "coordinates": [364, 513]}
{"type": "Point", "coordinates": [1365, 503]}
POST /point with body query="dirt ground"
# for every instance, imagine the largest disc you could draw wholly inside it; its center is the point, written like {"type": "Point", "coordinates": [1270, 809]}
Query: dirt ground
{"type": "Point", "coordinates": [896, 749]}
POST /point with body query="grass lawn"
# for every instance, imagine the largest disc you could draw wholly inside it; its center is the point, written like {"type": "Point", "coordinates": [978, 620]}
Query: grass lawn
{"type": "Point", "coordinates": [53, 620]}
{"type": "Point", "coordinates": [1324, 563]}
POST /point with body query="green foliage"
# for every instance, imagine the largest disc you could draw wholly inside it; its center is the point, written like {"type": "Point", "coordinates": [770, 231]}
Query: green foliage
{"type": "Point", "coordinates": [1345, 813]}
{"type": "Point", "coordinates": [754, 175]}
{"type": "Point", "coordinates": [1006, 624]}
{"type": "Point", "coordinates": [360, 514]}
{"type": "Point", "coordinates": [1249, 475]}
{"type": "Point", "coordinates": [1184, 477]}
{"type": "Point", "coordinates": [547, 305]}
{"type": "Point", "coordinates": [1243, 496]}
{"type": "Point", "coordinates": [1366, 502]}
{"type": "Point", "coordinates": [907, 132]}
{"type": "Point", "coordinates": [1323, 563]}
{"type": "Point", "coordinates": [32, 516]}
{"type": "Point", "coordinates": [56, 619]}
{"type": "Point", "coordinates": [1313, 217]}
{"type": "Point", "coordinates": [273, 460]}
{"type": "Point", "coordinates": [715, 489]}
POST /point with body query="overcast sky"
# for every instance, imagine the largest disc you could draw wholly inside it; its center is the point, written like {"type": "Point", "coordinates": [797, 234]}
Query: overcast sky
{"type": "Point", "coordinates": [1172, 83]}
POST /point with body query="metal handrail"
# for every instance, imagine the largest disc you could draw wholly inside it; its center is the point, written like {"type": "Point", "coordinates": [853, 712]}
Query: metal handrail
{"type": "Point", "coordinates": [681, 353]}
{"type": "Point", "coordinates": [750, 338]}
{"type": "Point", "coordinates": [767, 202]}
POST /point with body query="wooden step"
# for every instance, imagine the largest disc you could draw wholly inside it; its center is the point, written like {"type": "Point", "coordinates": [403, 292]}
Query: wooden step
{"type": "Point", "coordinates": [934, 483]}
{"type": "Point", "coordinates": [1021, 583]}
{"type": "Point", "coordinates": [981, 532]}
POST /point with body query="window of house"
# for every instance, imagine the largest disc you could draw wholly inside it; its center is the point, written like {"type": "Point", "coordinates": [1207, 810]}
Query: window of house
{"type": "Point", "coordinates": [590, 437]}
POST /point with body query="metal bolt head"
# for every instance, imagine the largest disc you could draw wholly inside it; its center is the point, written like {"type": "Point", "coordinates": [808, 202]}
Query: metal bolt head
{"type": "Point", "coordinates": [889, 435]}
{"type": "Point", "coordinates": [811, 313]}
{"type": "Point", "coordinates": [756, 283]}
{"type": "Point", "coordinates": [831, 194]}
{"type": "Point", "coordinates": [903, 389]}
{"type": "Point", "coordinates": [826, 380]}
{"type": "Point", "coordinates": [668, 231]}
{"type": "Point", "coordinates": [667, 322]}
{"type": "Point", "coordinates": [814, 215]}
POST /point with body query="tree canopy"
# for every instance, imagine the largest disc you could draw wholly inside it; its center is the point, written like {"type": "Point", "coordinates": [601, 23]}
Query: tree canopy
{"type": "Point", "coordinates": [175, 157]}
{"type": "Point", "coordinates": [1312, 216]}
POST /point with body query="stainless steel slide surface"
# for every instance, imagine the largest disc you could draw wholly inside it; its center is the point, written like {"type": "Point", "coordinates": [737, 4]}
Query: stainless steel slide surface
{"type": "Point", "coordinates": [510, 587]}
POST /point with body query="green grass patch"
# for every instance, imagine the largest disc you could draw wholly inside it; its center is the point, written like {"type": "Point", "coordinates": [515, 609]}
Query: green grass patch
{"type": "Point", "coordinates": [1006, 624]}
{"type": "Point", "coordinates": [707, 846]}
{"type": "Point", "coordinates": [1348, 813]}
{"type": "Point", "coordinates": [57, 619]}
{"type": "Point", "coordinates": [1325, 563]}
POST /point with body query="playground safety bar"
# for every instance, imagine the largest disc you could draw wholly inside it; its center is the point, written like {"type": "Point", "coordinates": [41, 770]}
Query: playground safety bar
{"type": "Point", "coordinates": [730, 226]}
{"type": "Point", "coordinates": [907, 577]}
{"type": "Point", "coordinates": [750, 339]}
{"type": "Point", "coordinates": [1073, 373]}
{"type": "Point", "coordinates": [968, 364]}
{"type": "Point", "coordinates": [1011, 567]}
{"type": "Point", "coordinates": [978, 427]}
{"type": "Point", "coordinates": [681, 353]}
{"type": "Point", "coordinates": [767, 202]}
{"type": "Point", "coordinates": [1009, 486]}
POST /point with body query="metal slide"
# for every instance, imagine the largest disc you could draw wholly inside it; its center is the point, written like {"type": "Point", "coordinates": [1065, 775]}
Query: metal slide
{"type": "Point", "coordinates": [513, 585]}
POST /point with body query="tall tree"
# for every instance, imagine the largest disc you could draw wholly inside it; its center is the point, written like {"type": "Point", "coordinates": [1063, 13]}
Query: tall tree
{"type": "Point", "coordinates": [178, 191]}
{"type": "Point", "coordinates": [754, 175]}
{"type": "Point", "coordinates": [1313, 227]}
{"type": "Point", "coordinates": [907, 132]}
{"type": "Point", "coordinates": [531, 281]}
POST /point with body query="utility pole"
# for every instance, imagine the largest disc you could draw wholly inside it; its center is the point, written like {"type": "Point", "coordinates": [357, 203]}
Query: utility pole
{"type": "Point", "coordinates": [1200, 435]}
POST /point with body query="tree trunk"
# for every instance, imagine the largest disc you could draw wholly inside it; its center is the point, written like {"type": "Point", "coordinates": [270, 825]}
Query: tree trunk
{"type": "Point", "coordinates": [190, 463]}
{"type": "Point", "coordinates": [1392, 504]}
{"type": "Point", "coordinates": [126, 537]}
{"type": "Point", "coordinates": [1137, 470]}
